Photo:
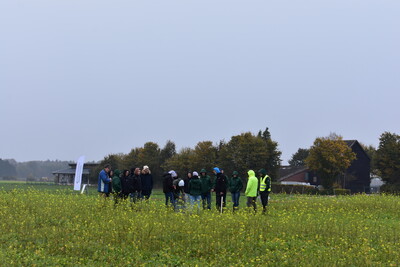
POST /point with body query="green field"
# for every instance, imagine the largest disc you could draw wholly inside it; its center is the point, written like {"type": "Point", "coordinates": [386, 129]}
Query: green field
{"type": "Point", "coordinates": [50, 225]}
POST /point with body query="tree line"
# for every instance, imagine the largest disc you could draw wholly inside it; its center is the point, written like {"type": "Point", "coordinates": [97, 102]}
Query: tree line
{"type": "Point", "coordinates": [241, 153]}
{"type": "Point", "coordinates": [10, 169]}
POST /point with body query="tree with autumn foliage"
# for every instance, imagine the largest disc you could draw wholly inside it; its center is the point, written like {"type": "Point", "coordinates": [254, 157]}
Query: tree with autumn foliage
{"type": "Point", "coordinates": [329, 157]}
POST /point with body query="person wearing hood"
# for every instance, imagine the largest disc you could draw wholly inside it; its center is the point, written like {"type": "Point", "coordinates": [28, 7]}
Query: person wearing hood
{"type": "Point", "coordinates": [147, 182]}
{"type": "Point", "coordinates": [116, 185]}
{"type": "Point", "coordinates": [251, 190]}
{"type": "Point", "coordinates": [220, 187]}
{"type": "Point", "coordinates": [265, 188]}
{"type": "Point", "coordinates": [235, 186]}
{"type": "Point", "coordinates": [195, 191]}
{"type": "Point", "coordinates": [168, 187]}
{"type": "Point", "coordinates": [206, 186]}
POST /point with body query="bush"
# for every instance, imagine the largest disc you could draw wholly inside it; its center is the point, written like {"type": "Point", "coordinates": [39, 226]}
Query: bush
{"type": "Point", "coordinates": [336, 191]}
{"type": "Point", "coordinates": [294, 189]}
{"type": "Point", "coordinates": [390, 189]}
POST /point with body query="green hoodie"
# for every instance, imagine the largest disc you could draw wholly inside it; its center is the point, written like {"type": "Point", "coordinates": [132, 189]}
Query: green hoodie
{"type": "Point", "coordinates": [206, 184]}
{"type": "Point", "coordinates": [116, 182]}
{"type": "Point", "coordinates": [235, 183]}
{"type": "Point", "coordinates": [252, 184]}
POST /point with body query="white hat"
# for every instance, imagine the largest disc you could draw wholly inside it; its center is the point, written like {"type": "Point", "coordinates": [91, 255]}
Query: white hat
{"type": "Point", "coordinates": [173, 174]}
{"type": "Point", "coordinates": [145, 167]}
{"type": "Point", "coordinates": [195, 174]}
{"type": "Point", "coordinates": [181, 183]}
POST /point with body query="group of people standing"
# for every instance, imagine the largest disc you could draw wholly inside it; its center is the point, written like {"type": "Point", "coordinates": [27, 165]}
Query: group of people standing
{"type": "Point", "coordinates": [190, 191]}
{"type": "Point", "coordinates": [135, 183]}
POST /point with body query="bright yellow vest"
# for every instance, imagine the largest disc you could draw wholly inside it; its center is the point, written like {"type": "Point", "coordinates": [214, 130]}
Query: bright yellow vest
{"type": "Point", "coordinates": [263, 185]}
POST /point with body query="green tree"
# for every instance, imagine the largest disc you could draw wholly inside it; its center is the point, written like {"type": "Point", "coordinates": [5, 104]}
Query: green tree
{"type": "Point", "coordinates": [7, 170]}
{"type": "Point", "coordinates": [387, 158]}
{"type": "Point", "coordinates": [299, 158]}
{"type": "Point", "coordinates": [329, 157]}
{"type": "Point", "coordinates": [274, 155]}
{"type": "Point", "coordinates": [246, 151]}
{"type": "Point", "coordinates": [166, 153]}
{"type": "Point", "coordinates": [181, 162]}
{"type": "Point", "coordinates": [204, 156]}
{"type": "Point", "coordinates": [371, 151]}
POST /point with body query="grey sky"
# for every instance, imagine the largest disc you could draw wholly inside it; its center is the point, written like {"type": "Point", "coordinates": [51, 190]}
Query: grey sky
{"type": "Point", "coordinates": [97, 77]}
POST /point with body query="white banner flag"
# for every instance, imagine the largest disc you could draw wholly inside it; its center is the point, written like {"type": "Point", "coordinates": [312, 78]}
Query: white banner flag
{"type": "Point", "coordinates": [78, 173]}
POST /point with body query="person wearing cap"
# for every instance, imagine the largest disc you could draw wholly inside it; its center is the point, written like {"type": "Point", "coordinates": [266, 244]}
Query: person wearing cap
{"type": "Point", "coordinates": [220, 187]}
{"type": "Point", "coordinates": [265, 188]}
{"type": "Point", "coordinates": [251, 190]}
{"type": "Point", "coordinates": [195, 191]}
{"type": "Point", "coordinates": [168, 187]}
{"type": "Point", "coordinates": [104, 181]}
{"type": "Point", "coordinates": [147, 182]}
{"type": "Point", "coordinates": [206, 186]}
{"type": "Point", "coordinates": [235, 186]}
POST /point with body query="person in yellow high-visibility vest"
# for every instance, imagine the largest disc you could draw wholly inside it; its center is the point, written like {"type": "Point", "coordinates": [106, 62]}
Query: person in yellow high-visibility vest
{"type": "Point", "coordinates": [265, 188]}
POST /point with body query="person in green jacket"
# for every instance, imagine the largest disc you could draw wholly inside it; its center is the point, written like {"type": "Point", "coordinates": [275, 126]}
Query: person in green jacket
{"type": "Point", "coordinates": [251, 190]}
{"type": "Point", "coordinates": [206, 186]}
{"type": "Point", "coordinates": [235, 186]}
{"type": "Point", "coordinates": [116, 185]}
{"type": "Point", "coordinates": [195, 191]}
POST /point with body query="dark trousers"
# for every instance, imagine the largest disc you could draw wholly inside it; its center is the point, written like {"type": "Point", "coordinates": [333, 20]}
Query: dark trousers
{"type": "Point", "coordinates": [264, 199]}
{"type": "Point", "coordinates": [220, 197]}
{"type": "Point", "coordinates": [251, 201]}
{"type": "Point", "coordinates": [145, 194]}
{"type": "Point", "coordinates": [235, 199]}
{"type": "Point", "coordinates": [206, 197]}
{"type": "Point", "coordinates": [169, 196]}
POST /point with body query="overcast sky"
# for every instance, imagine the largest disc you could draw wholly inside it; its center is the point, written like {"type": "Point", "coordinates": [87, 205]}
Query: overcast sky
{"type": "Point", "coordinates": [94, 77]}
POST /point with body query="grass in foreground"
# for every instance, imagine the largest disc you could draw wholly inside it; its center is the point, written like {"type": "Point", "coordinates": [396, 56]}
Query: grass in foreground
{"type": "Point", "coordinates": [53, 228]}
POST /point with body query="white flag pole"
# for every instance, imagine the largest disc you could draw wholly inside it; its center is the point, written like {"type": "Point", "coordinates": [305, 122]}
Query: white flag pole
{"type": "Point", "coordinates": [78, 173]}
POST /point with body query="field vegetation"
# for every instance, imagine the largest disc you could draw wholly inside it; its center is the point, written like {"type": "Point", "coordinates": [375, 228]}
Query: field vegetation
{"type": "Point", "coordinates": [46, 225]}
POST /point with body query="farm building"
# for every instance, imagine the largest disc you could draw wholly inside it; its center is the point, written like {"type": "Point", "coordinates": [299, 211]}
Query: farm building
{"type": "Point", "coordinates": [356, 178]}
{"type": "Point", "coordinates": [66, 176]}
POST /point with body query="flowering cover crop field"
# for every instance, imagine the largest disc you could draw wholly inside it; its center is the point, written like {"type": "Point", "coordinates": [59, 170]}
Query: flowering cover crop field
{"type": "Point", "coordinates": [56, 227]}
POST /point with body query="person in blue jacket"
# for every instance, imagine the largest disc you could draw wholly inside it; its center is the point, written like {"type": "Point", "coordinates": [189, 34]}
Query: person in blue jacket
{"type": "Point", "coordinates": [104, 181]}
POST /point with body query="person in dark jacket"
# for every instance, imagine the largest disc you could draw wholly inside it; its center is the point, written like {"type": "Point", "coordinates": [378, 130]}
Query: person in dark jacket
{"type": "Point", "coordinates": [186, 186]}
{"type": "Point", "coordinates": [195, 191]}
{"type": "Point", "coordinates": [136, 185]}
{"type": "Point", "coordinates": [235, 186]}
{"type": "Point", "coordinates": [206, 186]}
{"type": "Point", "coordinates": [168, 188]}
{"type": "Point", "coordinates": [126, 184]}
{"type": "Point", "coordinates": [147, 182]}
{"type": "Point", "coordinates": [220, 187]}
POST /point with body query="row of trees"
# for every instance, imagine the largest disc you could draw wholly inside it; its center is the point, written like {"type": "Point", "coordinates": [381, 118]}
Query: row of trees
{"type": "Point", "coordinates": [241, 153]}
{"type": "Point", "coordinates": [330, 156]}
{"type": "Point", "coordinates": [31, 170]}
